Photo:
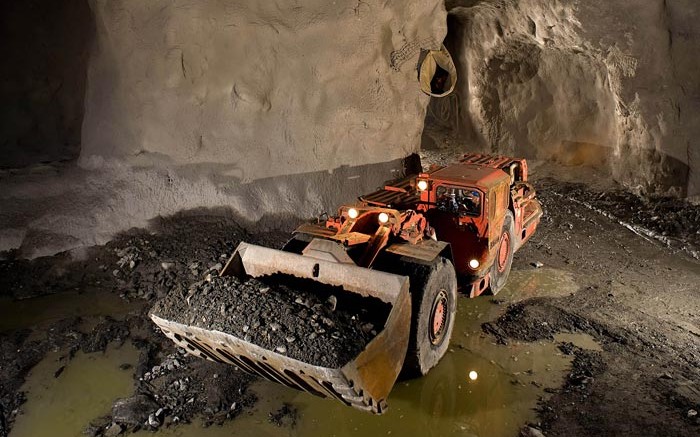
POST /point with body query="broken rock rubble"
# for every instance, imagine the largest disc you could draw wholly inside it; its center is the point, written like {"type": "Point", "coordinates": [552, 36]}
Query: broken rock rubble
{"type": "Point", "coordinates": [312, 323]}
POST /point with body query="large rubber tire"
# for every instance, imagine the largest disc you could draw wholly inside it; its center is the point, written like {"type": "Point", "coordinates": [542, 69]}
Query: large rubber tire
{"type": "Point", "coordinates": [434, 301]}
{"type": "Point", "coordinates": [500, 269]}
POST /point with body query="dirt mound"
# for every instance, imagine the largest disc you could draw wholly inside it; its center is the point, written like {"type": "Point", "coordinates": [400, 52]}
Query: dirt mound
{"type": "Point", "coordinates": [316, 324]}
{"type": "Point", "coordinates": [669, 220]}
{"type": "Point", "coordinates": [541, 318]}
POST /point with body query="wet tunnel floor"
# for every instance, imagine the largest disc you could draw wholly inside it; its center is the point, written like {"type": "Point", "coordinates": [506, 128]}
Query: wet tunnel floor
{"type": "Point", "coordinates": [86, 388]}
{"type": "Point", "coordinates": [635, 294]}
{"type": "Point", "coordinates": [510, 381]}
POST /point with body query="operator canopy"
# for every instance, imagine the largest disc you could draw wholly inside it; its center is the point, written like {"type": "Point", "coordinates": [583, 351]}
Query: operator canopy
{"type": "Point", "coordinates": [462, 201]}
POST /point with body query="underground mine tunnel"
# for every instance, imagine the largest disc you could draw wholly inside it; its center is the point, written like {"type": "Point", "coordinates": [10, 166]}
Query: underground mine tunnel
{"type": "Point", "coordinates": [459, 217]}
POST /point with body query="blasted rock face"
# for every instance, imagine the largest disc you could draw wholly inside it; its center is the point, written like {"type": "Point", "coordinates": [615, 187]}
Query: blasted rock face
{"type": "Point", "coordinates": [529, 91]}
{"type": "Point", "coordinates": [260, 88]}
{"type": "Point", "coordinates": [600, 83]}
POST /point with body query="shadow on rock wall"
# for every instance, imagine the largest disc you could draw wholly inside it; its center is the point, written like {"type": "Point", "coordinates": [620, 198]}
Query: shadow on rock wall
{"type": "Point", "coordinates": [63, 208]}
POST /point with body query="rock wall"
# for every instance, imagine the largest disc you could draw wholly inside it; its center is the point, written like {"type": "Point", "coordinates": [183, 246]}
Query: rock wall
{"type": "Point", "coordinates": [276, 110]}
{"type": "Point", "coordinates": [260, 89]}
{"type": "Point", "coordinates": [597, 82]}
{"type": "Point", "coordinates": [45, 48]}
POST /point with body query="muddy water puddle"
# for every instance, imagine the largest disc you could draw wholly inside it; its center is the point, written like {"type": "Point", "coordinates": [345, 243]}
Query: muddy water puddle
{"type": "Point", "coordinates": [63, 406]}
{"type": "Point", "coordinates": [584, 341]}
{"type": "Point", "coordinates": [40, 311]}
{"type": "Point", "coordinates": [447, 402]}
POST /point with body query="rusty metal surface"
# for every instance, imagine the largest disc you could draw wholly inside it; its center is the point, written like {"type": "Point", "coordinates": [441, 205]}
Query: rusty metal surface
{"type": "Point", "coordinates": [470, 175]}
{"type": "Point", "coordinates": [378, 241]}
{"type": "Point", "coordinates": [425, 250]}
{"type": "Point", "coordinates": [364, 383]}
{"type": "Point", "coordinates": [397, 195]}
{"type": "Point", "coordinates": [314, 229]}
{"type": "Point", "coordinates": [351, 238]}
{"type": "Point", "coordinates": [484, 160]}
{"type": "Point", "coordinates": [328, 250]}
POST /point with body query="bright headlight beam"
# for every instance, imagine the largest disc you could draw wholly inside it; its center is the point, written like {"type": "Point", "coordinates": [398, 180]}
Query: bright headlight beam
{"type": "Point", "coordinates": [474, 264]}
{"type": "Point", "coordinates": [473, 375]}
{"type": "Point", "coordinates": [353, 213]}
{"type": "Point", "coordinates": [422, 185]}
{"type": "Point", "coordinates": [383, 217]}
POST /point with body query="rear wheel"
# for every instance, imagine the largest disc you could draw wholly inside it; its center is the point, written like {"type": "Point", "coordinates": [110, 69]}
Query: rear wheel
{"type": "Point", "coordinates": [500, 270]}
{"type": "Point", "coordinates": [434, 300]}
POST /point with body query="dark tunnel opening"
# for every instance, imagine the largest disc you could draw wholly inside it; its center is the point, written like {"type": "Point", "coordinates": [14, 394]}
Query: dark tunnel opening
{"type": "Point", "coordinates": [45, 48]}
{"type": "Point", "coordinates": [445, 120]}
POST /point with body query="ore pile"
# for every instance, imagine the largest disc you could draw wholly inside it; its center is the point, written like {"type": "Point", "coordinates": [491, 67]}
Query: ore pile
{"type": "Point", "coordinates": [670, 220]}
{"type": "Point", "coordinates": [310, 322]}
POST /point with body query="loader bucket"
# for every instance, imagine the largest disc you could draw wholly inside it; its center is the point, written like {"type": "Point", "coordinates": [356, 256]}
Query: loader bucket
{"type": "Point", "coordinates": [364, 382]}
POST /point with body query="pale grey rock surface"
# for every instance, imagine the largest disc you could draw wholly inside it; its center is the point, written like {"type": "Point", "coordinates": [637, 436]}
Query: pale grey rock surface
{"type": "Point", "coordinates": [260, 88]}
{"type": "Point", "coordinates": [288, 109]}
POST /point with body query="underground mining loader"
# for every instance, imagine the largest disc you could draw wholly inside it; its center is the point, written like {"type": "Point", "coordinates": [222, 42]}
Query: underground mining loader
{"type": "Point", "coordinates": [408, 244]}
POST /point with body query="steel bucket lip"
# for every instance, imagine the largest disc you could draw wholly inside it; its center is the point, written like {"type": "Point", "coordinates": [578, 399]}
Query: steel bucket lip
{"type": "Point", "coordinates": [242, 264]}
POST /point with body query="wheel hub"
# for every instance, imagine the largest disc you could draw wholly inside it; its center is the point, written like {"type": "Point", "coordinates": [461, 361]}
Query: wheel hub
{"type": "Point", "coordinates": [438, 318]}
{"type": "Point", "coordinates": [503, 252]}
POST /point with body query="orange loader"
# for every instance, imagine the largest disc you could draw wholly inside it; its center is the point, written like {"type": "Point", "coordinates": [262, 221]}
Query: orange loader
{"type": "Point", "coordinates": [411, 244]}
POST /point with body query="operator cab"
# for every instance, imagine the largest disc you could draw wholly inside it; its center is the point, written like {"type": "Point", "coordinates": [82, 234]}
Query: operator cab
{"type": "Point", "coordinates": [470, 202]}
{"type": "Point", "coordinates": [460, 201]}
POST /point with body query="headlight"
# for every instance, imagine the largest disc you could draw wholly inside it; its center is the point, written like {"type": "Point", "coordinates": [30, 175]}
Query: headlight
{"type": "Point", "coordinates": [353, 213]}
{"type": "Point", "coordinates": [383, 217]}
{"type": "Point", "coordinates": [422, 185]}
{"type": "Point", "coordinates": [474, 264]}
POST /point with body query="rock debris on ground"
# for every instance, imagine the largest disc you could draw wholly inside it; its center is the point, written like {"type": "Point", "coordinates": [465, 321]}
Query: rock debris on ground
{"type": "Point", "coordinates": [636, 298]}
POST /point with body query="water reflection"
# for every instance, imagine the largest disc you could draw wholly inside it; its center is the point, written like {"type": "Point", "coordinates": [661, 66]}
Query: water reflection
{"type": "Point", "coordinates": [85, 390]}
{"type": "Point", "coordinates": [40, 311]}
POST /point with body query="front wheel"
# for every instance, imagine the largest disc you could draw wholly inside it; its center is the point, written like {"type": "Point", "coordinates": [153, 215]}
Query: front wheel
{"type": "Point", "coordinates": [434, 300]}
{"type": "Point", "coordinates": [500, 270]}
